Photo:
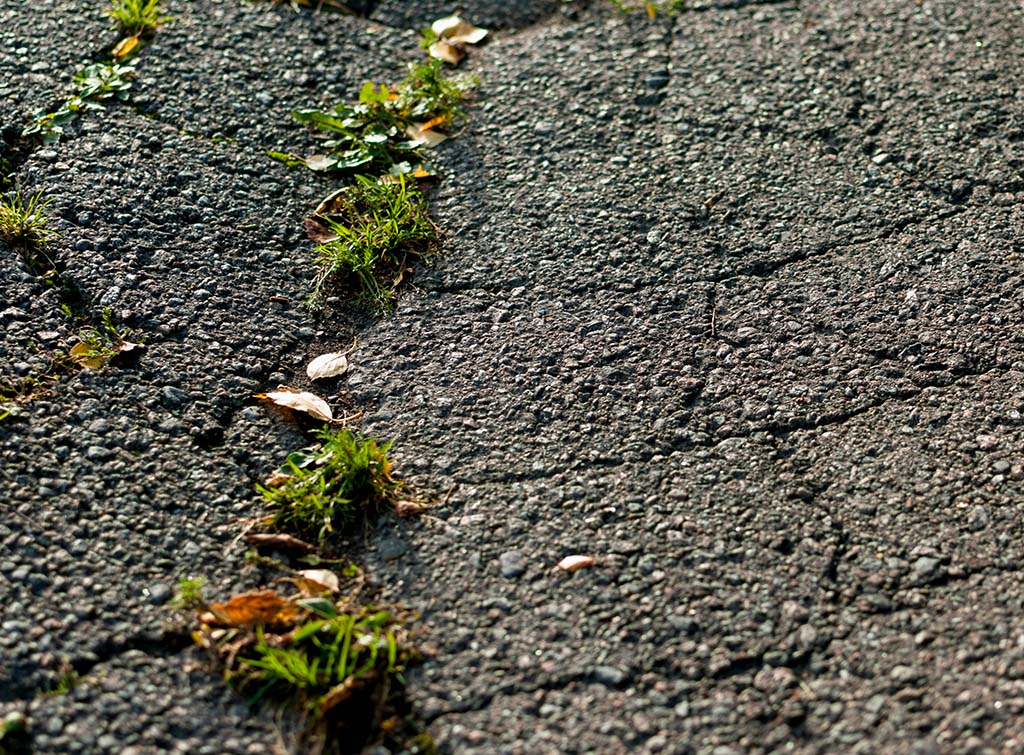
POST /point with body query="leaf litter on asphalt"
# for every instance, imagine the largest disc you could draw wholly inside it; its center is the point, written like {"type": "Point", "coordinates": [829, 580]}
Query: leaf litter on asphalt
{"type": "Point", "coordinates": [300, 401]}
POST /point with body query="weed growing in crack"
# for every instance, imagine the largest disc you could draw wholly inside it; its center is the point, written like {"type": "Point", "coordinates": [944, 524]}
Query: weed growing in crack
{"type": "Point", "coordinates": [382, 132]}
{"type": "Point", "coordinates": [325, 660]}
{"type": "Point", "coordinates": [25, 228]}
{"type": "Point", "coordinates": [652, 7]}
{"type": "Point", "coordinates": [99, 344]}
{"type": "Point", "coordinates": [137, 18]}
{"type": "Point", "coordinates": [93, 85]}
{"type": "Point", "coordinates": [372, 230]}
{"type": "Point", "coordinates": [188, 596]}
{"type": "Point", "coordinates": [332, 664]}
{"type": "Point", "coordinates": [328, 488]}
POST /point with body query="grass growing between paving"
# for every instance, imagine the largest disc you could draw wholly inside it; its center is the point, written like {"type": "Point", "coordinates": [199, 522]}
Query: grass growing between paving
{"type": "Point", "coordinates": [25, 229]}
{"type": "Point", "coordinates": [332, 486]}
{"type": "Point", "coordinates": [369, 232]}
{"type": "Point", "coordinates": [330, 664]}
{"type": "Point", "coordinates": [97, 83]}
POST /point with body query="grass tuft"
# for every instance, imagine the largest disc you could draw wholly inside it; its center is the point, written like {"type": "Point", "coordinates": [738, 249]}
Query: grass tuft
{"type": "Point", "coordinates": [137, 18]}
{"type": "Point", "coordinates": [322, 662]}
{"type": "Point", "coordinates": [329, 487]}
{"type": "Point", "coordinates": [377, 228]}
{"type": "Point", "coordinates": [24, 227]}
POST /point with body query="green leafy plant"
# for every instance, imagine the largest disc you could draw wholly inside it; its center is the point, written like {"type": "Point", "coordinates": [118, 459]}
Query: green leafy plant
{"type": "Point", "coordinates": [98, 344]}
{"type": "Point", "coordinates": [137, 18]}
{"type": "Point", "coordinates": [377, 134]}
{"type": "Point", "coordinates": [93, 84]}
{"type": "Point", "coordinates": [372, 230]}
{"type": "Point", "coordinates": [328, 487]}
{"type": "Point", "coordinates": [24, 226]}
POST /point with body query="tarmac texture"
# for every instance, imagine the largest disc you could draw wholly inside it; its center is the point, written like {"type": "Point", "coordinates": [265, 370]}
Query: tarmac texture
{"type": "Point", "coordinates": [729, 299]}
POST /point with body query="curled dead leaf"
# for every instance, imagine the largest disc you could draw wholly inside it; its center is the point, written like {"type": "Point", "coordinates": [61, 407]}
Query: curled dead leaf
{"type": "Point", "coordinates": [315, 582]}
{"type": "Point", "coordinates": [409, 508]}
{"type": "Point", "coordinates": [327, 366]}
{"type": "Point", "coordinates": [300, 401]}
{"type": "Point", "coordinates": [318, 230]}
{"type": "Point", "coordinates": [279, 540]}
{"type": "Point", "coordinates": [448, 52]}
{"type": "Point", "coordinates": [575, 563]}
{"type": "Point", "coordinates": [251, 608]}
{"type": "Point", "coordinates": [341, 692]}
{"type": "Point", "coordinates": [454, 29]}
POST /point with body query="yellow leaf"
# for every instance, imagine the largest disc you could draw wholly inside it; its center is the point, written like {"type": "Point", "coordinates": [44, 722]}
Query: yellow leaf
{"type": "Point", "coordinates": [125, 47]}
{"type": "Point", "coordinates": [652, 10]}
{"type": "Point", "coordinates": [85, 355]}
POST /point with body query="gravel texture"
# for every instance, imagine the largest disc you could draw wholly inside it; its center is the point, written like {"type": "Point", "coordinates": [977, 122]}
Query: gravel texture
{"type": "Point", "coordinates": [729, 300]}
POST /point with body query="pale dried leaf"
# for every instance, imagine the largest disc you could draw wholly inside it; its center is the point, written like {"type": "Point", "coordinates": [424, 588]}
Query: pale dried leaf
{"type": "Point", "coordinates": [300, 401]}
{"type": "Point", "coordinates": [425, 135]}
{"type": "Point", "coordinates": [449, 53]}
{"type": "Point", "coordinates": [575, 563]}
{"type": "Point", "coordinates": [314, 582]}
{"type": "Point", "coordinates": [130, 348]}
{"type": "Point", "coordinates": [320, 162]}
{"type": "Point", "coordinates": [327, 366]}
{"type": "Point", "coordinates": [277, 479]}
{"type": "Point", "coordinates": [453, 29]}
{"type": "Point", "coordinates": [280, 540]}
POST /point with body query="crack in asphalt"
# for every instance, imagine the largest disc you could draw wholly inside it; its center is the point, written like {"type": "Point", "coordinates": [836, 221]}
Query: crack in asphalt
{"type": "Point", "coordinates": [164, 644]}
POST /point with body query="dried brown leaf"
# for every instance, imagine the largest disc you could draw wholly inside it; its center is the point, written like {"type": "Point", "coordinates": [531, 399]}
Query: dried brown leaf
{"type": "Point", "coordinates": [251, 608]}
{"type": "Point", "coordinates": [279, 540]}
{"type": "Point", "coordinates": [409, 508]}
{"type": "Point", "coordinates": [277, 479]}
{"type": "Point", "coordinates": [317, 230]}
{"type": "Point", "coordinates": [300, 401]}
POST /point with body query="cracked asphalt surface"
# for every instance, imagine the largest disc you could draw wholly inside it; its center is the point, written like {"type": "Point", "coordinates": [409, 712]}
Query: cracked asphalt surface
{"type": "Point", "coordinates": [729, 299]}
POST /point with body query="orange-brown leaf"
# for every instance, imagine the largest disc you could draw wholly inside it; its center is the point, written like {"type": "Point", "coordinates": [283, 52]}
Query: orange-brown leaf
{"type": "Point", "coordinates": [259, 607]}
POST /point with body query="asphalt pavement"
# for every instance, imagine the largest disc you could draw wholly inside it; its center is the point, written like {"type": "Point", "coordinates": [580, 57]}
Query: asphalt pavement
{"type": "Point", "coordinates": [729, 299]}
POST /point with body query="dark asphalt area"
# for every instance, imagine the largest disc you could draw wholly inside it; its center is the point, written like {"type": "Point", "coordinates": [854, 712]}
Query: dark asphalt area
{"type": "Point", "coordinates": [731, 300]}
